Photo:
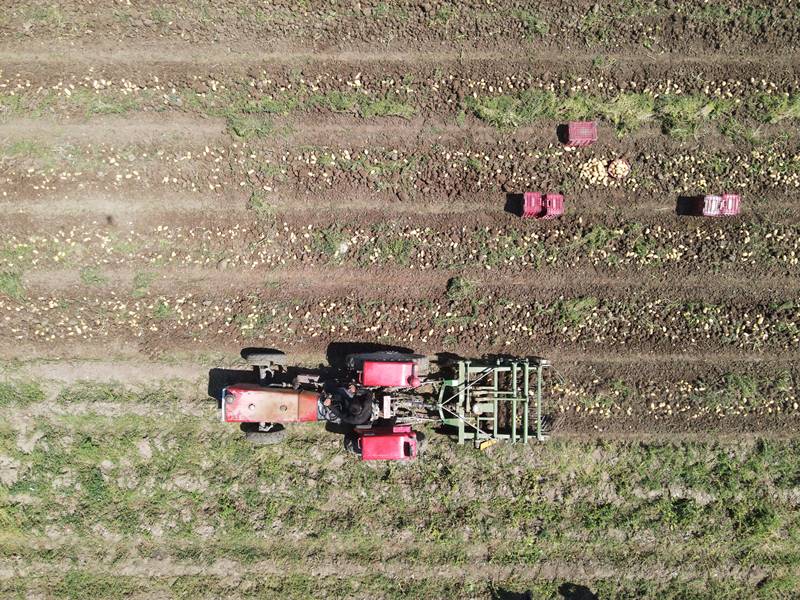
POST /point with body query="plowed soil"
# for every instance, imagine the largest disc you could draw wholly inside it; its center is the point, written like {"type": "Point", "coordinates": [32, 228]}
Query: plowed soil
{"type": "Point", "coordinates": [115, 222]}
{"type": "Point", "coordinates": [179, 180]}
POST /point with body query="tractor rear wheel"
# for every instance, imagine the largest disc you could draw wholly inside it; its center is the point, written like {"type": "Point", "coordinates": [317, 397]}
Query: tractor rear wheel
{"type": "Point", "coordinates": [263, 436]}
{"type": "Point", "coordinates": [356, 362]}
{"type": "Point", "coordinates": [351, 443]}
{"type": "Point", "coordinates": [422, 443]}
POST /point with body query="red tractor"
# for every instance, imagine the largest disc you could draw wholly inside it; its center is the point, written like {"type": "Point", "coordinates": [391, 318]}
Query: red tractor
{"type": "Point", "coordinates": [378, 397]}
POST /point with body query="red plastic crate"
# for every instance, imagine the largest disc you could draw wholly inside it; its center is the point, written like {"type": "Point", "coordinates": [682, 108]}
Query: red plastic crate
{"type": "Point", "coordinates": [726, 205]}
{"type": "Point", "coordinates": [730, 204]}
{"type": "Point", "coordinates": [581, 133]}
{"type": "Point", "coordinates": [531, 205]}
{"type": "Point", "coordinates": [554, 206]}
{"type": "Point", "coordinates": [534, 207]}
{"type": "Point", "coordinates": [388, 443]}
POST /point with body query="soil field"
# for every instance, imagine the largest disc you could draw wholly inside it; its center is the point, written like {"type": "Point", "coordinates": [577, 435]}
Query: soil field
{"type": "Point", "coordinates": [180, 180]}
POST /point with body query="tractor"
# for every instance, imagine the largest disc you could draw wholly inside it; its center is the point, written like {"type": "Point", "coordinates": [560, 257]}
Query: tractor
{"type": "Point", "coordinates": [377, 398]}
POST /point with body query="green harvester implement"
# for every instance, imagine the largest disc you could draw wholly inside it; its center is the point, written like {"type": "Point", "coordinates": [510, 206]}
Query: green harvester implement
{"type": "Point", "coordinates": [490, 400]}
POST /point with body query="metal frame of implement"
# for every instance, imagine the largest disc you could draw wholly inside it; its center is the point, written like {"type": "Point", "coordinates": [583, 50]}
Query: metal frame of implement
{"type": "Point", "coordinates": [484, 392]}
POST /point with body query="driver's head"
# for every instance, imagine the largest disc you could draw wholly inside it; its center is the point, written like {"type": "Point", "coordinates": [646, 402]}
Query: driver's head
{"type": "Point", "coordinates": [360, 409]}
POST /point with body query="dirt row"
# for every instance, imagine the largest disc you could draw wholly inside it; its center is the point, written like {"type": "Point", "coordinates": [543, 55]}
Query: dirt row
{"type": "Point", "coordinates": [686, 26]}
{"type": "Point", "coordinates": [486, 319]}
{"type": "Point", "coordinates": [392, 87]}
{"type": "Point", "coordinates": [616, 395]}
{"type": "Point", "coordinates": [466, 242]}
{"type": "Point", "coordinates": [476, 174]}
{"type": "Point", "coordinates": [398, 282]}
{"type": "Point", "coordinates": [173, 130]}
{"type": "Point", "coordinates": [282, 198]}
{"type": "Point", "coordinates": [433, 74]}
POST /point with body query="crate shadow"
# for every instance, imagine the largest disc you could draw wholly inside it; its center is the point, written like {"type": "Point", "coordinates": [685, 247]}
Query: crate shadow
{"type": "Point", "coordinates": [514, 204]}
{"type": "Point", "coordinates": [689, 206]}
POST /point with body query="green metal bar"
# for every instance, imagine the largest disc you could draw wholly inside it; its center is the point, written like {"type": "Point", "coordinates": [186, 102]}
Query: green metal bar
{"type": "Point", "coordinates": [539, 435]}
{"type": "Point", "coordinates": [525, 389]}
{"type": "Point", "coordinates": [514, 404]}
{"type": "Point", "coordinates": [461, 400]}
{"type": "Point", "coordinates": [495, 383]}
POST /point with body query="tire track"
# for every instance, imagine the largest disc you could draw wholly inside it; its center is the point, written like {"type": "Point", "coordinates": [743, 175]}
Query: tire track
{"type": "Point", "coordinates": [398, 282]}
{"type": "Point", "coordinates": [230, 54]}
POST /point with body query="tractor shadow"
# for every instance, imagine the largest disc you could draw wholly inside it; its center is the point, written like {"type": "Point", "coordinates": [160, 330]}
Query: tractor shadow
{"type": "Point", "coordinates": [337, 352]}
{"type": "Point", "coordinates": [566, 591]}
{"type": "Point", "coordinates": [218, 379]}
{"type": "Point", "coordinates": [443, 361]}
{"type": "Point", "coordinates": [503, 356]}
{"type": "Point", "coordinates": [575, 591]}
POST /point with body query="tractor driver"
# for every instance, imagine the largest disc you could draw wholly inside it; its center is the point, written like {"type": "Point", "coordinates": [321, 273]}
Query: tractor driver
{"type": "Point", "coordinates": [346, 405]}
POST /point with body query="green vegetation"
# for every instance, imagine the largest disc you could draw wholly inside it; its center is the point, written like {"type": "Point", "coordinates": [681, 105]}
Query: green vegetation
{"type": "Point", "coordinates": [444, 15]}
{"type": "Point", "coordinates": [247, 118]}
{"type": "Point", "coordinates": [189, 490]}
{"type": "Point", "coordinates": [163, 310]}
{"type": "Point", "coordinates": [259, 205]}
{"type": "Point", "coordinates": [329, 241]}
{"type": "Point", "coordinates": [748, 17]}
{"type": "Point", "coordinates": [774, 108]}
{"type": "Point", "coordinates": [92, 392]}
{"type": "Point", "coordinates": [366, 106]}
{"type": "Point", "coordinates": [141, 283]}
{"type": "Point", "coordinates": [679, 116]}
{"type": "Point", "coordinates": [50, 15]}
{"type": "Point", "coordinates": [459, 288]}
{"type": "Point", "coordinates": [534, 25]}
{"type": "Point", "coordinates": [91, 103]}
{"type": "Point", "coordinates": [514, 111]}
{"type": "Point", "coordinates": [250, 126]}
{"type": "Point", "coordinates": [27, 149]}
{"type": "Point", "coordinates": [162, 15]}
{"type": "Point", "coordinates": [92, 276]}
{"type": "Point", "coordinates": [11, 285]}
{"type": "Point", "coordinates": [385, 10]}
{"type": "Point", "coordinates": [738, 389]}
{"type": "Point", "coordinates": [387, 107]}
{"type": "Point", "coordinates": [627, 112]}
{"type": "Point", "coordinates": [575, 310]}
{"type": "Point", "coordinates": [683, 116]}
{"type": "Point", "coordinates": [398, 250]}
{"type": "Point", "coordinates": [19, 393]}
{"type": "Point", "coordinates": [335, 101]}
